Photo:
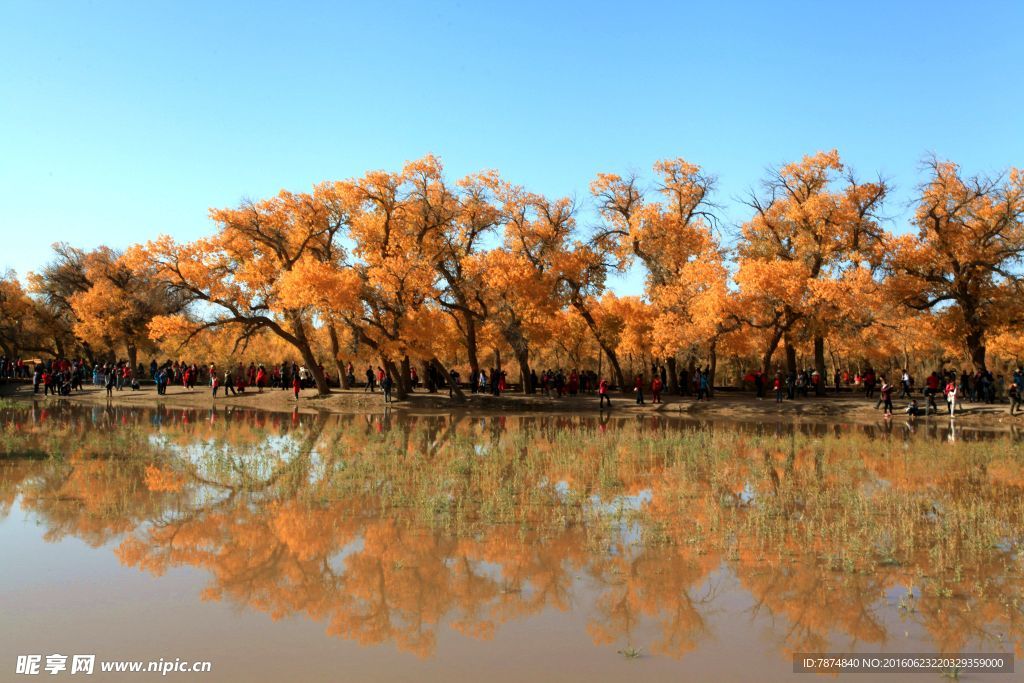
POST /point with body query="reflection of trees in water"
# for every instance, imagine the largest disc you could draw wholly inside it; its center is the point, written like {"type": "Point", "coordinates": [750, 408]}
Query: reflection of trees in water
{"type": "Point", "coordinates": [385, 526]}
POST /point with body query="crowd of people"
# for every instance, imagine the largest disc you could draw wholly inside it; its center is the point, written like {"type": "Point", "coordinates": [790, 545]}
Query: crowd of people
{"type": "Point", "coordinates": [955, 389]}
{"type": "Point", "coordinates": [61, 377]}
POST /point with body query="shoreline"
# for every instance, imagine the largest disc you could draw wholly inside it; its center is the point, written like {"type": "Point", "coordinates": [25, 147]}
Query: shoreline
{"type": "Point", "coordinates": [845, 408]}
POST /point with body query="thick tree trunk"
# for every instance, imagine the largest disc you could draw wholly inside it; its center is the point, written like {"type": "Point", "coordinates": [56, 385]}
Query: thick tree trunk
{"type": "Point", "coordinates": [89, 355]}
{"type": "Point", "coordinates": [302, 344]}
{"type": "Point", "coordinates": [766, 360]}
{"type": "Point", "coordinates": [396, 382]}
{"type": "Point", "coordinates": [335, 353]}
{"type": "Point", "coordinates": [673, 376]}
{"type": "Point", "coordinates": [523, 358]}
{"type": "Point", "coordinates": [474, 363]}
{"type": "Point", "coordinates": [406, 379]}
{"type": "Point", "coordinates": [976, 346]}
{"type": "Point", "coordinates": [133, 355]}
{"type": "Point", "coordinates": [318, 375]}
{"type": "Point", "coordinates": [819, 365]}
{"type": "Point", "coordinates": [691, 372]}
{"type": "Point", "coordinates": [425, 367]}
{"type": "Point", "coordinates": [442, 371]}
{"type": "Point", "coordinates": [790, 357]}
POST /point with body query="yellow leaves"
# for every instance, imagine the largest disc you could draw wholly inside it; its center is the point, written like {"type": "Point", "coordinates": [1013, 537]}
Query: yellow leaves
{"type": "Point", "coordinates": [773, 283]}
{"type": "Point", "coordinates": [322, 285]}
{"type": "Point", "coordinates": [163, 480]}
{"type": "Point", "coordinates": [969, 243]}
{"type": "Point", "coordinates": [391, 255]}
{"type": "Point", "coordinates": [170, 328]}
{"type": "Point", "coordinates": [637, 321]}
{"type": "Point", "coordinates": [812, 171]}
{"type": "Point", "coordinates": [686, 279]}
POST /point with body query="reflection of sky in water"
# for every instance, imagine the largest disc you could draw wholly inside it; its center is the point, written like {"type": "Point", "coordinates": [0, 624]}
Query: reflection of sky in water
{"type": "Point", "coordinates": [336, 561]}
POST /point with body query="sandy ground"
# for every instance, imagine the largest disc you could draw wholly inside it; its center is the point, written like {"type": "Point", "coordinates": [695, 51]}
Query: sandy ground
{"type": "Point", "coordinates": [734, 405]}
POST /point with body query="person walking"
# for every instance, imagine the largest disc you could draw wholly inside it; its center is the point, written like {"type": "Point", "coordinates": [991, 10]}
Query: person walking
{"type": "Point", "coordinates": [931, 388]}
{"type": "Point", "coordinates": [602, 394]}
{"type": "Point", "coordinates": [656, 389]}
{"type": "Point", "coordinates": [638, 388]}
{"type": "Point", "coordinates": [703, 386]}
{"type": "Point", "coordinates": [905, 384]}
{"type": "Point", "coordinates": [296, 385]}
{"type": "Point", "coordinates": [886, 397]}
{"type": "Point", "coordinates": [1017, 391]}
{"type": "Point", "coordinates": [228, 384]}
{"type": "Point", "coordinates": [951, 394]}
{"type": "Point", "coordinates": [777, 385]}
{"type": "Point", "coordinates": [385, 385]}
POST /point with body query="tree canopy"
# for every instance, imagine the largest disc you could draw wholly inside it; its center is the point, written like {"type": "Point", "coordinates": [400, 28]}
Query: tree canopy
{"type": "Point", "coordinates": [408, 267]}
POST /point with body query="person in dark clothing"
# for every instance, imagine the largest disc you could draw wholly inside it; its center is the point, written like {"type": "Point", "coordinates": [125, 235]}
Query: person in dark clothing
{"type": "Point", "coordinates": [453, 381]}
{"type": "Point", "coordinates": [638, 388]}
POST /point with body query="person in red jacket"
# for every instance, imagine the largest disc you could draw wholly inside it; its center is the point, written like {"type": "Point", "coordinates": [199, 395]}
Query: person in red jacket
{"type": "Point", "coordinates": [602, 394]}
{"type": "Point", "coordinates": [296, 386]}
{"type": "Point", "coordinates": [656, 389]}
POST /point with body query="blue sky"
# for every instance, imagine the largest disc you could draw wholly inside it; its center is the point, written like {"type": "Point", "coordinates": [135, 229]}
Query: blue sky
{"type": "Point", "coordinates": [121, 121]}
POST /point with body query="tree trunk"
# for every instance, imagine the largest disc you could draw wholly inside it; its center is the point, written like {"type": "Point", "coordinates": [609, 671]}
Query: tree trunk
{"type": "Point", "coordinates": [406, 379]}
{"type": "Point", "coordinates": [976, 346]}
{"type": "Point", "coordinates": [335, 353]}
{"type": "Point", "coordinates": [819, 365]}
{"type": "Point", "coordinates": [474, 362]}
{"type": "Point", "coordinates": [766, 360]}
{"type": "Point", "coordinates": [608, 350]}
{"type": "Point", "coordinates": [89, 355]}
{"type": "Point", "coordinates": [673, 376]}
{"type": "Point", "coordinates": [425, 367]}
{"type": "Point", "coordinates": [523, 357]}
{"type": "Point", "coordinates": [790, 357]}
{"type": "Point", "coordinates": [302, 344]}
{"type": "Point", "coordinates": [318, 375]}
{"type": "Point", "coordinates": [133, 356]}
{"type": "Point", "coordinates": [396, 382]}
{"type": "Point", "coordinates": [712, 365]}
{"type": "Point", "coordinates": [442, 371]}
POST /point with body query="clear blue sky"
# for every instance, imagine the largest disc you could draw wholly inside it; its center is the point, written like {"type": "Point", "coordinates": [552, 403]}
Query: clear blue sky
{"type": "Point", "coordinates": [120, 121]}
